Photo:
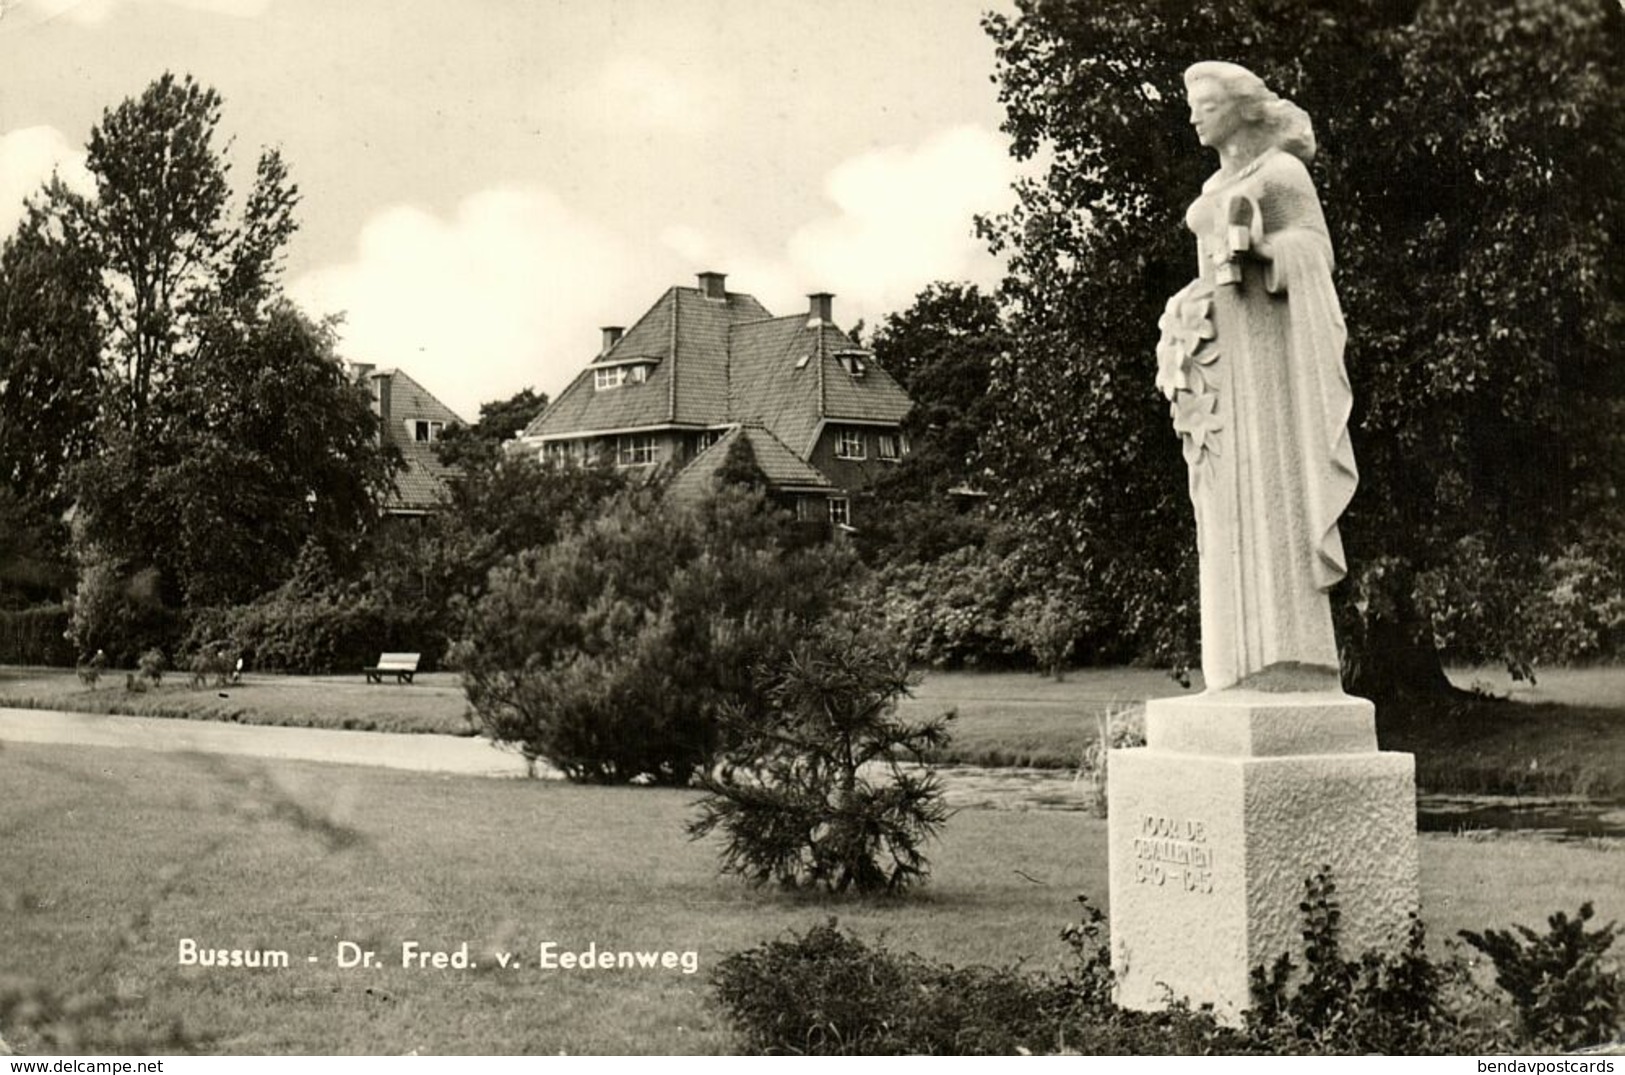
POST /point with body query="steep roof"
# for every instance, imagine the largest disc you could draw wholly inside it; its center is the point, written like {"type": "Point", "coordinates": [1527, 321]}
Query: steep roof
{"type": "Point", "coordinates": [787, 375]}
{"type": "Point", "coordinates": [782, 468]}
{"type": "Point", "coordinates": [776, 376]}
{"type": "Point", "coordinates": [419, 485]}
{"type": "Point", "coordinates": [685, 336]}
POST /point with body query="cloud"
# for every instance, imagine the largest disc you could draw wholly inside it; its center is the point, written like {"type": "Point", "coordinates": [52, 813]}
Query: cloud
{"type": "Point", "coordinates": [28, 156]}
{"type": "Point", "coordinates": [904, 218]}
{"type": "Point", "coordinates": [506, 293]}
{"type": "Point", "coordinates": [97, 12]}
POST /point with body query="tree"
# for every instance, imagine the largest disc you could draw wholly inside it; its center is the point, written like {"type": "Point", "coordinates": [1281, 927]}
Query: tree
{"type": "Point", "coordinates": [49, 359]}
{"type": "Point", "coordinates": [214, 433]}
{"type": "Point", "coordinates": [258, 447]}
{"type": "Point", "coordinates": [942, 350]}
{"type": "Point", "coordinates": [172, 264]}
{"type": "Point", "coordinates": [612, 653]}
{"type": "Point", "coordinates": [814, 794]}
{"type": "Point", "coordinates": [1471, 166]}
{"type": "Point", "coordinates": [481, 444]}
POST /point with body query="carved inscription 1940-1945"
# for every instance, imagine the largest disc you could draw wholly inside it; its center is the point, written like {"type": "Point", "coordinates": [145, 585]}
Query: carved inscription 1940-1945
{"type": "Point", "coordinates": [1173, 851]}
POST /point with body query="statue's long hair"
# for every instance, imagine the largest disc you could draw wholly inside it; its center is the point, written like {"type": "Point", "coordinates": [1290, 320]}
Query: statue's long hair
{"type": "Point", "coordinates": [1288, 125]}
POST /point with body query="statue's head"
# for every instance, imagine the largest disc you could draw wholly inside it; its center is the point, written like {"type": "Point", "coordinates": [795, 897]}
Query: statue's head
{"type": "Point", "coordinates": [1226, 97]}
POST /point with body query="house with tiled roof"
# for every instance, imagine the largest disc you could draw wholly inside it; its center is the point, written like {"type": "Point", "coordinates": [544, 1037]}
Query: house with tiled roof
{"type": "Point", "coordinates": [411, 419]}
{"type": "Point", "coordinates": [705, 367]}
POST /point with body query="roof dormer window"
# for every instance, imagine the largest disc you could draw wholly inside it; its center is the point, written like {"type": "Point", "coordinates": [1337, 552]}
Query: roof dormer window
{"type": "Point", "coordinates": [424, 431]}
{"type": "Point", "coordinates": [853, 362]}
{"type": "Point", "coordinates": [616, 376]}
{"type": "Point", "coordinates": [625, 372]}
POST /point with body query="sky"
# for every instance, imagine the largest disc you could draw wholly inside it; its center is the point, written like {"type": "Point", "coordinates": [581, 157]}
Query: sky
{"type": "Point", "coordinates": [486, 183]}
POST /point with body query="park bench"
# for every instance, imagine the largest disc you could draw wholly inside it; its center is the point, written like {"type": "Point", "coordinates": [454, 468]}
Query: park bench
{"type": "Point", "coordinates": [403, 666]}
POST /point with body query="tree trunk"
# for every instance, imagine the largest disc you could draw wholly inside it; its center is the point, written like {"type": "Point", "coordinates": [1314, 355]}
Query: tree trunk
{"type": "Point", "coordinates": [1396, 660]}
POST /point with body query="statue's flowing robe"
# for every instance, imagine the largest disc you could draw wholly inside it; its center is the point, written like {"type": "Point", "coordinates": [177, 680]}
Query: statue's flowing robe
{"type": "Point", "coordinates": [1254, 370]}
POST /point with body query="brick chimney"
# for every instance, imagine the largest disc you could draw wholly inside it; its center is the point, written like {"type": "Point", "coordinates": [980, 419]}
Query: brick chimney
{"type": "Point", "coordinates": [711, 286]}
{"type": "Point", "coordinates": [612, 336]}
{"type": "Point", "coordinates": [820, 307]}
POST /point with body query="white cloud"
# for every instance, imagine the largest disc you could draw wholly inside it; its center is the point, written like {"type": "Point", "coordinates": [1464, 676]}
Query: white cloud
{"type": "Point", "coordinates": [96, 12]}
{"type": "Point", "coordinates": [904, 218]}
{"type": "Point", "coordinates": [28, 156]}
{"type": "Point", "coordinates": [507, 293]}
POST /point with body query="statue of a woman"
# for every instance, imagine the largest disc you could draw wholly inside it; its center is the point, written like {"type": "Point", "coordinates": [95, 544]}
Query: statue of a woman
{"type": "Point", "coordinates": [1251, 358]}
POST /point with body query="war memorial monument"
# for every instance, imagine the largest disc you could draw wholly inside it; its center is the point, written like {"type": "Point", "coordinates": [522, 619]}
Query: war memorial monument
{"type": "Point", "coordinates": [1271, 773]}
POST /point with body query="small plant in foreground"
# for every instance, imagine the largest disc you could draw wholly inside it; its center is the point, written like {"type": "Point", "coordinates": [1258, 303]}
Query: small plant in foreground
{"type": "Point", "coordinates": [1385, 1002]}
{"type": "Point", "coordinates": [1565, 990]}
{"type": "Point", "coordinates": [152, 666]}
{"type": "Point", "coordinates": [827, 992]}
{"type": "Point", "coordinates": [814, 795]}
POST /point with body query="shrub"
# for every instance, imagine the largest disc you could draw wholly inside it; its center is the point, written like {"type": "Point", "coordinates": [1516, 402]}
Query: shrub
{"type": "Point", "coordinates": [613, 653]}
{"type": "Point", "coordinates": [951, 611]}
{"type": "Point", "coordinates": [826, 992]}
{"type": "Point", "coordinates": [813, 794]}
{"type": "Point", "coordinates": [315, 624]}
{"type": "Point", "coordinates": [35, 636]}
{"type": "Point", "coordinates": [119, 610]}
{"type": "Point", "coordinates": [1047, 625]}
{"type": "Point", "coordinates": [1566, 993]}
{"type": "Point", "coordinates": [1382, 1002]}
{"type": "Point", "coordinates": [152, 665]}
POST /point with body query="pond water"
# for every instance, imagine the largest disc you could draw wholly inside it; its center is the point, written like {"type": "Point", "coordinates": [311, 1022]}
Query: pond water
{"type": "Point", "coordinates": [976, 788]}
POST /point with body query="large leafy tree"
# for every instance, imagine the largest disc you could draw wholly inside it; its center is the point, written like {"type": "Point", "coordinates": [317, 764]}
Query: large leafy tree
{"type": "Point", "coordinates": [49, 387]}
{"type": "Point", "coordinates": [258, 447]}
{"type": "Point", "coordinates": [213, 435]}
{"type": "Point", "coordinates": [1472, 163]}
{"type": "Point", "coordinates": [482, 444]}
{"type": "Point", "coordinates": [174, 261]}
{"type": "Point", "coordinates": [942, 350]}
{"type": "Point", "coordinates": [49, 369]}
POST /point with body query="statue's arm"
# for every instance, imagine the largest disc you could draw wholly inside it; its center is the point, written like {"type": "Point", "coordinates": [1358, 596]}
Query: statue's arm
{"type": "Point", "coordinates": [1280, 222]}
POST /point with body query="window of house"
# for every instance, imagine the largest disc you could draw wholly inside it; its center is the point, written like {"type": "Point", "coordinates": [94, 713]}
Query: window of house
{"type": "Point", "coordinates": [615, 376]}
{"type": "Point", "coordinates": [890, 446]}
{"type": "Point", "coordinates": [706, 439]}
{"type": "Point", "coordinates": [424, 431]}
{"type": "Point", "coordinates": [636, 451]}
{"type": "Point", "coordinates": [849, 445]}
{"type": "Point", "coordinates": [840, 511]}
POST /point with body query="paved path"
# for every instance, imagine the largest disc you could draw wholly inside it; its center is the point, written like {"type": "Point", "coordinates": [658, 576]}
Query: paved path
{"type": "Point", "coordinates": [467, 756]}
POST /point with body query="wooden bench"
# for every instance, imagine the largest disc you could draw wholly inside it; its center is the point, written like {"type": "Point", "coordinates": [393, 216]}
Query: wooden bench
{"type": "Point", "coordinates": [403, 666]}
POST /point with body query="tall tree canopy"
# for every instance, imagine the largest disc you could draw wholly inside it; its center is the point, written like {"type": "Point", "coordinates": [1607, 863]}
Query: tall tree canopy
{"type": "Point", "coordinates": [941, 350]}
{"type": "Point", "coordinates": [49, 376]}
{"type": "Point", "coordinates": [1472, 165]}
{"type": "Point", "coordinates": [200, 424]}
{"type": "Point", "coordinates": [172, 258]}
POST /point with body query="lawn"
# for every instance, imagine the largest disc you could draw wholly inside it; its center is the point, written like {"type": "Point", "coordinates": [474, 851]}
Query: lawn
{"type": "Point", "coordinates": [109, 857]}
{"type": "Point", "coordinates": [1564, 735]}
{"type": "Point", "coordinates": [432, 703]}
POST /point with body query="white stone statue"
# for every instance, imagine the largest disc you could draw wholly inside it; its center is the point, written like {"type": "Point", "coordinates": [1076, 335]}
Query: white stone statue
{"type": "Point", "coordinates": [1251, 358]}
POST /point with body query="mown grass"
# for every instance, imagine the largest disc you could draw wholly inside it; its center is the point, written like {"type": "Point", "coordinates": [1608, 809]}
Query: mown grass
{"type": "Point", "coordinates": [109, 857]}
{"type": "Point", "coordinates": [432, 703]}
{"type": "Point", "coordinates": [1562, 736]}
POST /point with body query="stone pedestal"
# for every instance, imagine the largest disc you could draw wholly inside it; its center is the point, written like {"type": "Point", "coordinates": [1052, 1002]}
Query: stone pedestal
{"type": "Point", "coordinates": [1236, 799]}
